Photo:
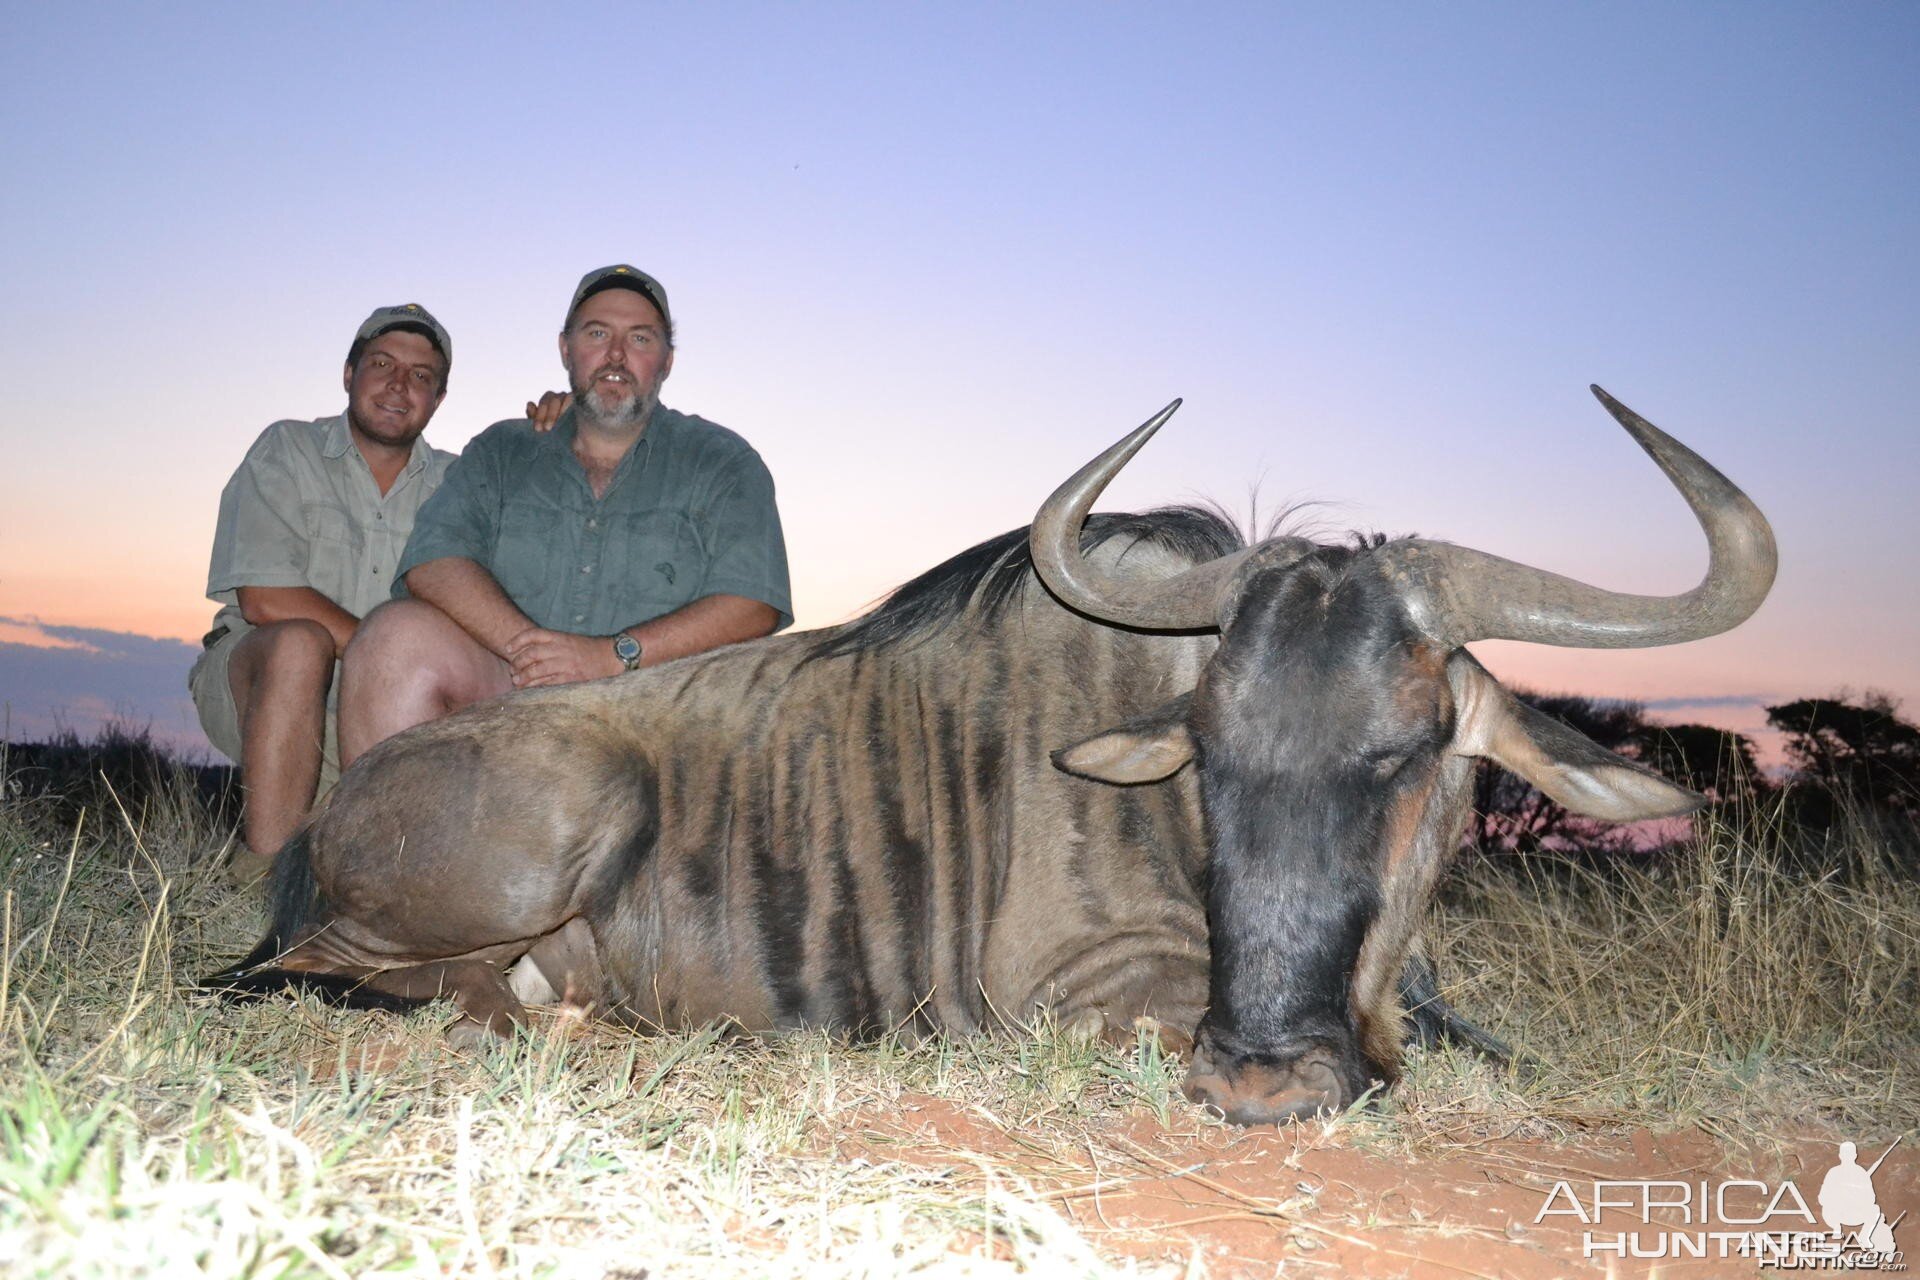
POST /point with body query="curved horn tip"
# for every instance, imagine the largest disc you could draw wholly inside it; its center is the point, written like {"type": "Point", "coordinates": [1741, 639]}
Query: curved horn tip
{"type": "Point", "coordinates": [1137, 438]}
{"type": "Point", "coordinates": [1651, 438]}
{"type": "Point", "coordinates": [1159, 419]}
{"type": "Point", "coordinates": [1613, 406]}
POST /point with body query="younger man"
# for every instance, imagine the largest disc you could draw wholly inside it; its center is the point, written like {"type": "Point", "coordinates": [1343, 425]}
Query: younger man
{"type": "Point", "coordinates": [311, 529]}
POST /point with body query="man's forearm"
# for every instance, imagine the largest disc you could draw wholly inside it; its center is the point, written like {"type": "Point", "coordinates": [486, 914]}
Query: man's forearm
{"type": "Point", "coordinates": [467, 593]}
{"type": "Point", "coordinates": [264, 605]}
{"type": "Point", "coordinates": [706, 623]}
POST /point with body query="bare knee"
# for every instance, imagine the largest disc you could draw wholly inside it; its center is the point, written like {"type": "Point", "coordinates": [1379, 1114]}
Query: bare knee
{"type": "Point", "coordinates": [404, 648]}
{"type": "Point", "coordinates": [409, 663]}
{"type": "Point", "coordinates": [401, 632]}
{"type": "Point", "coordinates": [280, 659]}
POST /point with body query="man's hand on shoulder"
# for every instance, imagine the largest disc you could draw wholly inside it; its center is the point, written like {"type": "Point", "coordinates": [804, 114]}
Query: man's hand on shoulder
{"type": "Point", "coordinates": [540, 657]}
{"type": "Point", "coordinates": [547, 412]}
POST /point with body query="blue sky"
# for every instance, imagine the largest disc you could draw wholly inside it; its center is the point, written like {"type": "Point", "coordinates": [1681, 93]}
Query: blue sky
{"type": "Point", "coordinates": [930, 260]}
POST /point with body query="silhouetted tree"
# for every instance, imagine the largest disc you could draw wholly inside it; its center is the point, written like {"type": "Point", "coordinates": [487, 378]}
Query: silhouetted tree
{"type": "Point", "coordinates": [1715, 762]}
{"type": "Point", "coordinates": [1843, 749]}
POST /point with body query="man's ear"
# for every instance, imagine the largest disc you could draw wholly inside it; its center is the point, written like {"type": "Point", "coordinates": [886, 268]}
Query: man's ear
{"type": "Point", "coordinates": [1570, 767]}
{"type": "Point", "coordinates": [346, 378]}
{"type": "Point", "coordinates": [1145, 749]}
{"type": "Point", "coordinates": [565, 362]}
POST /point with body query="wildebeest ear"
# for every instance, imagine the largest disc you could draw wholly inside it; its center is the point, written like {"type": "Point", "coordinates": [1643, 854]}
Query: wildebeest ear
{"type": "Point", "coordinates": [1570, 767]}
{"type": "Point", "coordinates": [1147, 748]}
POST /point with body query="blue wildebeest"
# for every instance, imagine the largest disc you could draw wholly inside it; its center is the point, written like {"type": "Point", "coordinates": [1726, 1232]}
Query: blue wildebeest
{"type": "Point", "coordinates": [863, 828]}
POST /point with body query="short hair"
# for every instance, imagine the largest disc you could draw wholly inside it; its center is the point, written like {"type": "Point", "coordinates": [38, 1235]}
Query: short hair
{"type": "Point", "coordinates": [359, 347]}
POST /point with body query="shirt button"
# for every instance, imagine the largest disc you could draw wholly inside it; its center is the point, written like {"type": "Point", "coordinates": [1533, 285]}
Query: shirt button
{"type": "Point", "coordinates": [593, 523]}
{"type": "Point", "coordinates": [579, 617]}
{"type": "Point", "coordinates": [586, 568]}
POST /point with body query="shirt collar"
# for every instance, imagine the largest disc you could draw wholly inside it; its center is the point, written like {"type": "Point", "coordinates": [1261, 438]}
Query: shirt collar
{"type": "Point", "coordinates": [421, 455]}
{"type": "Point", "coordinates": [337, 439]}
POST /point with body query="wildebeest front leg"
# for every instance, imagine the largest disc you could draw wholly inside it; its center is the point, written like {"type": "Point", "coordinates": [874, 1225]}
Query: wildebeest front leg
{"type": "Point", "coordinates": [478, 989]}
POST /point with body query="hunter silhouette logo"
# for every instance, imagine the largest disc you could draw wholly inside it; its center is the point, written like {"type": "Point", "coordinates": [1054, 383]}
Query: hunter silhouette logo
{"type": "Point", "coordinates": [1772, 1225]}
{"type": "Point", "coordinates": [1847, 1200]}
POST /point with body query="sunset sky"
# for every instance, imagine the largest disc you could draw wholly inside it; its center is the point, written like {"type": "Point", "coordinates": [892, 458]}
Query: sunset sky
{"type": "Point", "coordinates": [931, 259]}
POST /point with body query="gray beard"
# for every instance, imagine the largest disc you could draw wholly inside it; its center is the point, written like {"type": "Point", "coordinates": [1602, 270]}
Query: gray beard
{"type": "Point", "coordinates": [630, 412]}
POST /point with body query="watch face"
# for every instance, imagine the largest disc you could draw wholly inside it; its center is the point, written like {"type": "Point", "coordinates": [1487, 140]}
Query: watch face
{"type": "Point", "coordinates": [626, 648]}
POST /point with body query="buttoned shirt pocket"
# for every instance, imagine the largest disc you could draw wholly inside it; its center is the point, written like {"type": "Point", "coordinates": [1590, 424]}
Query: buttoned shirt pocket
{"type": "Point", "coordinates": [532, 543]}
{"type": "Point", "coordinates": [329, 522]}
{"type": "Point", "coordinates": [654, 562]}
{"type": "Point", "coordinates": [334, 547]}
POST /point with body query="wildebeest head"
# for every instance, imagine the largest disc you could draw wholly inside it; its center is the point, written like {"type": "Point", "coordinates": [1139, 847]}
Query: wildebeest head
{"type": "Point", "coordinates": [1334, 732]}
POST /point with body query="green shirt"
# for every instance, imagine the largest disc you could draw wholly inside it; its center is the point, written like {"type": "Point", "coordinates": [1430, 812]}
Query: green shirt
{"type": "Point", "coordinates": [689, 513]}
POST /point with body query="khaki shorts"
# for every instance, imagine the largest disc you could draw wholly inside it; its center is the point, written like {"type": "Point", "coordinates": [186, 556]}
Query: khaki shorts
{"type": "Point", "coordinates": [220, 719]}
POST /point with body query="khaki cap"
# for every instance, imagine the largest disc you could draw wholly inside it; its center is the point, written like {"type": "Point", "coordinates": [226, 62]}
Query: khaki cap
{"type": "Point", "coordinates": [624, 277]}
{"type": "Point", "coordinates": [407, 313]}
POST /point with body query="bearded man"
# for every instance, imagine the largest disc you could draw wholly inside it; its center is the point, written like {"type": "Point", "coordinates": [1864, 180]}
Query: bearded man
{"type": "Point", "coordinates": [628, 535]}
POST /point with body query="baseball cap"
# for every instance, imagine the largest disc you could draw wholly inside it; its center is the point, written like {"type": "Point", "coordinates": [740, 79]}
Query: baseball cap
{"type": "Point", "coordinates": [620, 276]}
{"type": "Point", "coordinates": [407, 313]}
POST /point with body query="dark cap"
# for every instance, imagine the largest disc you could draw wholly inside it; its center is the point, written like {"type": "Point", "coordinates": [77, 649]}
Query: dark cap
{"type": "Point", "coordinates": [407, 315]}
{"type": "Point", "coordinates": [621, 276]}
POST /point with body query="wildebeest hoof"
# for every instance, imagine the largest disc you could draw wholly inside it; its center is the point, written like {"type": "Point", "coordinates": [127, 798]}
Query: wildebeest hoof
{"type": "Point", "coordinates": [1084, 1027]}
{"type": "Point", "coordinates": [569, 1021]}
{"type": "Point", "coordinates": [245, 868]}
{"type": "Point", "coordinates": [1174, 1043]}
{"type": "Point", "coordinates": [1259, 1093]}
{"type": "Point", "coordinates": [529, 983]}
{"type": "Point", "coordinates": [468, 1036]}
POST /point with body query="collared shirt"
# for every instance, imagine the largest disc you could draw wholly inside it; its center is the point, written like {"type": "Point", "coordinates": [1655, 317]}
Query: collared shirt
{"type": "Point", "coordinates": [303, 510]}
{"type": "Point", "coordinates": [689, 513]}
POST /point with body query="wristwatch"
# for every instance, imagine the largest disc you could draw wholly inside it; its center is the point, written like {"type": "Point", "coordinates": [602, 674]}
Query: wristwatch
{"type": "Point", "coordinates": [627, 649]}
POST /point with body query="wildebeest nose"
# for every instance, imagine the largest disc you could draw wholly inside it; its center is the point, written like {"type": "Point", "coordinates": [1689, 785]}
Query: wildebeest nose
{"type": "Point", "coordinates": [1258, 1094]}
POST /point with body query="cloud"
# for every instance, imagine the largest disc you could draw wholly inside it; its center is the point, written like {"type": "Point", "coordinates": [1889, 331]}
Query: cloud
{"type": "Point", "coordinates": [55, 678]}
{"type": "Point", "coordinates": [1725, 700]}
{"type": "Point", "coordinates": [29, 632]}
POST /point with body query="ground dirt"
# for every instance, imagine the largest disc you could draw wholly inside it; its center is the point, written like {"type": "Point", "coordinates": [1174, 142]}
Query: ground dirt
{"type": "Point", "coordinates": [1319, 1200]}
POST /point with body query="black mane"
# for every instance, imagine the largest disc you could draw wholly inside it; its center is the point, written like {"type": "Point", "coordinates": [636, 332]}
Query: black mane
{"type": "Point", "coordinates": [987, 575]}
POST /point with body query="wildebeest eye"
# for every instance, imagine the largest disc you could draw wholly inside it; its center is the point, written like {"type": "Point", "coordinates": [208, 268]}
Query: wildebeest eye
{"type": "Point", "coordinates": [1384, 764]}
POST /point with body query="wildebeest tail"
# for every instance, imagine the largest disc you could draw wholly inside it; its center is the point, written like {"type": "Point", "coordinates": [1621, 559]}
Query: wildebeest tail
{"type": "Point", "coordinates": [297, 905]}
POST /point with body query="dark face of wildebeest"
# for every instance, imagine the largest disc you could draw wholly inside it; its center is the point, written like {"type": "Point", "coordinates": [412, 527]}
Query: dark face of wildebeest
{"type": "Point", "coordinates": [1334, 734]}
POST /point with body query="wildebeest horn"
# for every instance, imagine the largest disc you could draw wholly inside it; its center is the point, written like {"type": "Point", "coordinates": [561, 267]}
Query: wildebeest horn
{"type": "Point", "coordinates": [1188, 601]}
{"type": "Point", "coordinates": [1458, 594]}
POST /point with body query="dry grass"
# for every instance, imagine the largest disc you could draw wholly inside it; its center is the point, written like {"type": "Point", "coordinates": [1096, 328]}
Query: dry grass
{"type": "Point", "coordinates": [145, 1132]}
{"type": "Point", "coordinates": [1718, 983]}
